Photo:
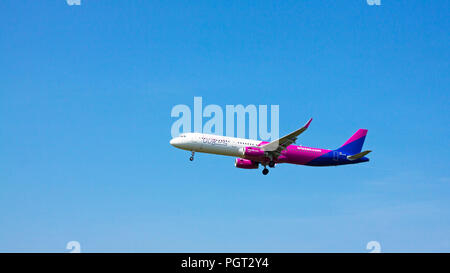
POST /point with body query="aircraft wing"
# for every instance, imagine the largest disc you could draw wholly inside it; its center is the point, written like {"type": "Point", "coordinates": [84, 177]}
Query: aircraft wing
{"type": "Point", "coordinates": [275, 147]}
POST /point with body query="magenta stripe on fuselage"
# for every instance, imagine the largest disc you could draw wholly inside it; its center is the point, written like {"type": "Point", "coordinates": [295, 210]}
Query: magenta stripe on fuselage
{"type": "Point", "coordinates": [301, 155]}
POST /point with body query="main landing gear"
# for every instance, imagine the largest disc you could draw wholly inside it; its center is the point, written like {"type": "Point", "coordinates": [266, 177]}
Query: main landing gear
{"type": "Point", "coordinates": [192, 156]}
{"type": "Point", "coordinates": [265, 171]}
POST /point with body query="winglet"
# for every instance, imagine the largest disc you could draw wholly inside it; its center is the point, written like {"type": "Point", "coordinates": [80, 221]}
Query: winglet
{"type": "Point", "coordinates": [307, 124]}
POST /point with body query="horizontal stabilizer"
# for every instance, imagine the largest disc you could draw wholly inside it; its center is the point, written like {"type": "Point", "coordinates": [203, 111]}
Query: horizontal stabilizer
{"type": "Point", "coordinates": [358, 156]}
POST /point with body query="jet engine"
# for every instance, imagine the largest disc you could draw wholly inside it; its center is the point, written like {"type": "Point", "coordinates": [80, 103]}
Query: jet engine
{"type": "Point", "coordinates": [246, 164]}
{"type": "Point", "coordinates": [253, 153]}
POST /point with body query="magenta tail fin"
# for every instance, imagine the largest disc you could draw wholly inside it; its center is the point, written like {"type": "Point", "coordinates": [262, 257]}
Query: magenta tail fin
{"type": "Point", "coordinates": [354, 144]}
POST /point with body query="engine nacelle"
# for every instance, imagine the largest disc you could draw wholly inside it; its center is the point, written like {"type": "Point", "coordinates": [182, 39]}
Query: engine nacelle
{"type": "Point", "coordinates": [253, 153]}
{"type": "Point", "coordinates": [246, 164]}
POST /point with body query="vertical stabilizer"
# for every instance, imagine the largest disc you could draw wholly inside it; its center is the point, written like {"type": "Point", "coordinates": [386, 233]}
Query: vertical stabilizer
{"type": "Point", "coordinates": [354, 144]}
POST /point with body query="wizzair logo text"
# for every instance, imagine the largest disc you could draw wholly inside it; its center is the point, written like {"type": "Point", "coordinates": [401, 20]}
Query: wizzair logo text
{"type": "Point", "coordinates": [309, 149]}
{"type": "Point", "coordinates": [214, 141]}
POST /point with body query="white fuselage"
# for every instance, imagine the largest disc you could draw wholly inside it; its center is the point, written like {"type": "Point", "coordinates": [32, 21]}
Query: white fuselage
{"type": "Point", "coordinates": [213, 144]}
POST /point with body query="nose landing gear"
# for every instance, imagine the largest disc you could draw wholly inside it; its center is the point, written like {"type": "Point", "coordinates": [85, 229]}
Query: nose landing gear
{"type": "Point", "coordinates": [265, 171]}
{"type": "Point", "coordinates": [192, 156]}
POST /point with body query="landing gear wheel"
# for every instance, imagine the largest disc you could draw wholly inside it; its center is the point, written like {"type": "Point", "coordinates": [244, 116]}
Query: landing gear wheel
{"type": "Point", "coordinates": [192, 157]}
{"type": "Point", "coordinates": [265, 171]}
{"type": "Point", "coordinates": [271, 164]}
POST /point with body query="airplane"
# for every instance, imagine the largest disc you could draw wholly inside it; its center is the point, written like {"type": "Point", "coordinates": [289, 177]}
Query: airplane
{"type": "Point", "coordinates": [251, 153]}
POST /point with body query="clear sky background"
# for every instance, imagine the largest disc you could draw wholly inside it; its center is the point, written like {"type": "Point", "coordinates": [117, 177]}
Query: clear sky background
{"type": "Point", "coordinates": [85, 99]}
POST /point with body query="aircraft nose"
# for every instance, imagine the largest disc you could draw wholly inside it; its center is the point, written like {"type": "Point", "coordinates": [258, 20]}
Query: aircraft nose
{"type": "Point", "coordinates": [174, 141]}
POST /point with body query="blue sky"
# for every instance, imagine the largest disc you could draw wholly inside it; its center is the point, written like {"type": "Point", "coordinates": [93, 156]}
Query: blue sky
{"type": "Point", "coordinates": [85, 99]}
